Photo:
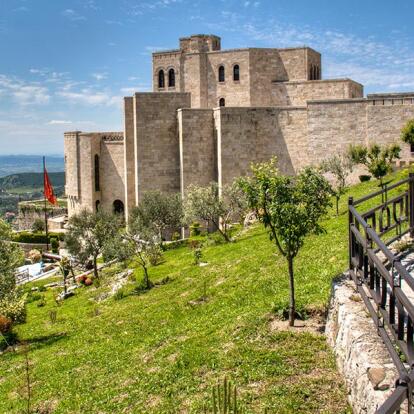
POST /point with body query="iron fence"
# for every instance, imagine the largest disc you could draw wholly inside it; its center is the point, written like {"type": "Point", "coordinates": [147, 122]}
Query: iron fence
{"type": "Point", "coordinates": [382, 280]}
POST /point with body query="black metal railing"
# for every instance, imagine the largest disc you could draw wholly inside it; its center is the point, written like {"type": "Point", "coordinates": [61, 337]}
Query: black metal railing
{"type": "Point", "coordinates": [382, 280]}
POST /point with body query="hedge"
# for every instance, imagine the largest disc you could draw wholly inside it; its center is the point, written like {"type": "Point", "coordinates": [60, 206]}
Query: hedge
{"type": "Point", "coordinates": [28, 237]}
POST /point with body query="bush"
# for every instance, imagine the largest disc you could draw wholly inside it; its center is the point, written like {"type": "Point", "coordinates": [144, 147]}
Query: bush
{"type": "Point", "coordinates": [119, 294]}
{"type": "Point", "coordinates": [364, 178]}
{"type": "Point", "coordinates": [54, 243]}
{"type": "Point", "coordinates": [176, 236]}
{"type": "Point", "coordinates": [154, 253]}
{"type": "Point", "coordinates": [38, 225]}
{"type": "Point", "coordinates": [28, 237]}
{"type": "Point", "coordinates": [282, 311]}
{"type": "Point", "coordinates": [195, 229]}
{"type": "Point", "coordinates": [5, 325]}
{"type": "Point", "coordinates": [13, 306]}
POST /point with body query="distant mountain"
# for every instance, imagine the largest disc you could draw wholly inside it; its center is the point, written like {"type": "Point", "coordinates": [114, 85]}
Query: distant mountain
{"type": "Point", "coordinates": [31, 180]}
{"type": "Point", "coordinates": [13, 164]}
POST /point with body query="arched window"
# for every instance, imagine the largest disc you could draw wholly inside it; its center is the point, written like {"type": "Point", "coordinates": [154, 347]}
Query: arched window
{"type": "Point", "coordinates": [97, 183]}
{"type": "Point", "coordinates": [318, 72]}
{"type": "Point", "coordinates": [118, 207]}
{"type": "Point", "coordinates": [222, 102]}
{"type": "Point", "coordinates": [311, 73]}
{"type": "Point", "coordinates": [236, 73]}
{"type": "Point", "coordinates": [97, 202]}
{"type": "Point", "coordinates": [161, 80]}
{"type": "Point", "coordinates": [221, 74]}
{"type": "Point", "coordinates": [171, 78]}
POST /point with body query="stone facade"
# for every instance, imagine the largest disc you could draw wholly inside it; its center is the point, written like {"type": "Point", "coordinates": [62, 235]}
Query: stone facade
{"type": "Point", "coordinates": [212, 112]}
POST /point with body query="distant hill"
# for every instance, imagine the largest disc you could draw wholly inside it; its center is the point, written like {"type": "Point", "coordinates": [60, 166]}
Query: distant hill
{"type": "Point", "coordinates": [31, 180]}
{"type": "Point", "coordinates": [13, 164]}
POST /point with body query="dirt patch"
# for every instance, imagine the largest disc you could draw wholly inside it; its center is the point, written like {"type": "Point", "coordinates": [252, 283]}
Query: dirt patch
{"type": "Point", "coordinates": [314, 325]}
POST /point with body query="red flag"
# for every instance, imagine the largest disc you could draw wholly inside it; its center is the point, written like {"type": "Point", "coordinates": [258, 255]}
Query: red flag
{"type": "Point", "coordinates": [48, 189]}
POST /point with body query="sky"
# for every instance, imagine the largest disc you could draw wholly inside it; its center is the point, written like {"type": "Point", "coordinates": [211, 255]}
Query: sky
{"type": "Point", "coordinates": [66, 64]}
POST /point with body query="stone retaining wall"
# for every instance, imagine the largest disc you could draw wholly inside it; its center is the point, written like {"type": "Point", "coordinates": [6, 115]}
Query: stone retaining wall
{"type": "Point", "coordinates": [360, 354]}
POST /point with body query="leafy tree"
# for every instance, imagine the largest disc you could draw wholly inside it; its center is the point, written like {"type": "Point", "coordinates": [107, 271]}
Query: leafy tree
{"type": "Point", "coordinates": [407, 133]}
{"type": "Point", "coordinates": [38, 225]}
{"type": "Point", "coordinates": [205, 203]}
{"type": "Point", "coordinates": [160, 211]}
{"type": "Point", "coordinates": [11, 256]}
{"type": "Point", "coordinates": [290, 208]}
{"type": "Point", "coordinates": [340, 166]}
{"type": "Point", "coordinates": [91, 234]}
{"type": "Point", "coordinates": [139, 241]}
{"type": "Point", "coordinates": [378, 160]}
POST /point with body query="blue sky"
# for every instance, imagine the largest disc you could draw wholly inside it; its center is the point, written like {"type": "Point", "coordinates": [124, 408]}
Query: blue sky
{"type": "Point", "coordinates": [65, 65]}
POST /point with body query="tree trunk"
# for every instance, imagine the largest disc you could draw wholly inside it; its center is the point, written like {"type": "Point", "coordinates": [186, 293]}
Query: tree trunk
{"type": "Point", "coordinates": [146, 277]}
{"type": "Point", "coordinates": [292, 309]}
{"type": "Point", "coordinates": [95, 267]}
{"type": "Point", "coordinates": [337, 206]}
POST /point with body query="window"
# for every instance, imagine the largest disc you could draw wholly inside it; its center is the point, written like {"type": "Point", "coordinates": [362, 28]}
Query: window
{"type": "Point", "coordinates": [97, 184]}
{"type": "Point", "coordinates": [97, 202]}
{"type": "Point", "coordinates": [221, 74]}
{"type": "Point", "coordinates": [161, 80]}
{"type": "Point", "coordinates": [318, 72]}
{"type": "Point", "coordinates": [236, 73]}
{"type": "Point", "coordinates": [412, 147]}
{"type": "Point", "coordinates": [171, 78]}
{"type": "Point", "coordinates": [118, 207]}
{"type": "Point", "coordinates": [222, 102]}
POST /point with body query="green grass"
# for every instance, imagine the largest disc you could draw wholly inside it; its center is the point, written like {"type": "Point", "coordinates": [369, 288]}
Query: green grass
{"type": "Point", "coordinates": [158, 352]}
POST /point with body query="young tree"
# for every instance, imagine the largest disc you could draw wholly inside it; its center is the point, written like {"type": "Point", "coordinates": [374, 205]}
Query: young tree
{"type": "Point", "coordinates": [160, 210]}
{"type": "Point", "coordinates": [378, 160]}
{"type": "Point", "coordinates": [340, 166]}
{"type": "Point", "coordinates": [407, 133]}
{"type": "Point", "coordinates": [138, 240]}
{"type": "Point", "coordinates": [91, 234]}
{"type": "Point", "coordinates": [11, 256]}
{"type": "Point", "coordinates": [205, 203]}
{"type": "Point", "coordinates": [290, 208]}
{"type": "Point", "coordinates": [38, 225]}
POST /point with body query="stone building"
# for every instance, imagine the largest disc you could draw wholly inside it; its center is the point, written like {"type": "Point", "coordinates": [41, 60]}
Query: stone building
{"type": "Point", "coordinates": [212, 112]}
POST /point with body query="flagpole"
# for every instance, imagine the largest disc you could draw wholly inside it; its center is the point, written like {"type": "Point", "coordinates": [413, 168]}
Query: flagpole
{"type": "Point", "coordinates": [44, 193]}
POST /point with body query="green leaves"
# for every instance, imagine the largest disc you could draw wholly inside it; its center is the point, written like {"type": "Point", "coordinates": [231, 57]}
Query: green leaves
{"type": "Point", "coordinates": [407, 133]}
{"type": "Point", "coordinates": [290, 207]}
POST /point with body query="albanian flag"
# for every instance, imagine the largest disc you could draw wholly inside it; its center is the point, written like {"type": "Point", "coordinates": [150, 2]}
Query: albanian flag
{"type": "Point", "coordinates": [48, 188]}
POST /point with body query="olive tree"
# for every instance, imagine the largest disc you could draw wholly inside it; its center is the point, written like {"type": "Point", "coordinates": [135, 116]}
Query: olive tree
{"type": "Point", "coordinates": [205, 203]}
{"type": "Point", "coordinates": [340, 166]}
{"type": "Point", "coordinates": [160, 211]}
{"type": "Point", "coordinates": [91, 234]}
{"type": "Point", "coordinates": [377, 159]}
{"type": "Point", "coordinates": [407, 133]}
{"type": "Point", "coordinates": [290, 208]}
{"type": "Point", "coordinates": [11, 256]}
{"type": "Point", "coordinates": [138, 240]}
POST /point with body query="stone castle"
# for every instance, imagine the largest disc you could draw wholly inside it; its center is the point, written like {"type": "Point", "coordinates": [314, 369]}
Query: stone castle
{"type": "Point", "coordinates": [212, 112]}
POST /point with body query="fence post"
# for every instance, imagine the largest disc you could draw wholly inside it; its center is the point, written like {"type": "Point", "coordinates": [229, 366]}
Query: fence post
{"type": "Point", "coordinates": [350, 221]}
{"type": "Point", "coordinates": [411, 198]}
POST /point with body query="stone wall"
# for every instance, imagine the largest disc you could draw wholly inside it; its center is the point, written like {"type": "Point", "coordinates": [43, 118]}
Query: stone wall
{"type": "Point", "coordinates": [297, 93]}
{"type": "Point", "coordinates": [157, 157]}
{"type": "Point", "coordinates": [197, 147]}
{"type": "Point", "coordinates": [112, 174]}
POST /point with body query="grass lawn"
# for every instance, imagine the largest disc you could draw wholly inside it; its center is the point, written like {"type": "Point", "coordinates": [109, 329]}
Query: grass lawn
{"type": "Point", "coordinates": [161, 351]}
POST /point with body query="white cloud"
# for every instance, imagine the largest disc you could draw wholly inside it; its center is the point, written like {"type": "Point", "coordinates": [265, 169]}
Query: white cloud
{"type": "Point", "coordinates": [100, 76]}
{"type": "Point", "coordinates": [59, 122]}
{"type": "Point", "coordinates": [90, 97]}
{"type": "Point", "coordinates": [24, 93]}
{"type": "Point", "coordinates": [73, 15]}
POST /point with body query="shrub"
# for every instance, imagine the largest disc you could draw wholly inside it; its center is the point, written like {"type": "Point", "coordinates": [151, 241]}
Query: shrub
{"type": "Point", "coordinates": [28, 237]}
{"type": "Point", "coordinates": [42, 302]}
{"type": "Point", "coordinates": [282, 311]}
{"type": "Point", "coordinates": [154, 253]}
{"type": "Point", "coordinates": [119, 294]}
{"type": "Point", "coordinates": [5, 325]}
{"type": "Point", "coordinates": [54, 243]}
{"type": "Point", "coordinates": [13, 306]}
{"type": "Point", "coordinates": [196, 246]}
{"type": "Point", "coordinates": [407, 133]}
{"type": "Point", "coordinates": [195, 229]}
{"type": "Point", "coordinates": [38, 225]}
{"type": "Point", "coordinates": [175, 236]}
{"type": "Point", "coordinates": [364, 178]}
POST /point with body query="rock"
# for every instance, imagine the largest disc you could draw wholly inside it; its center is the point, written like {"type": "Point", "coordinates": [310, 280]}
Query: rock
{"type": "Point", "coordinates": [250, 219]}
{"type": "Point", "coordinates": [63, 295]}
{"type": "Point", "coordinates": [50, 285]}
{"type": "Point", "coordinates": [376, 376]}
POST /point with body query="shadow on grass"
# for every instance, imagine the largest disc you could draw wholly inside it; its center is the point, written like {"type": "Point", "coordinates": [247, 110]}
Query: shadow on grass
{"type": "Point", "coordinates": [45, 340]}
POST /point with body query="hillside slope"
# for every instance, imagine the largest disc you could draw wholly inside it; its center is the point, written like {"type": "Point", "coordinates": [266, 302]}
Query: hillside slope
{"type": "Point", "coordinates": [161, 351]}
{"type": "Point", "coordinates": [30, 180]}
